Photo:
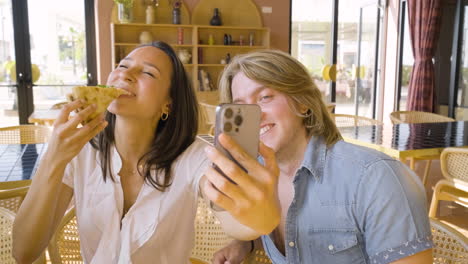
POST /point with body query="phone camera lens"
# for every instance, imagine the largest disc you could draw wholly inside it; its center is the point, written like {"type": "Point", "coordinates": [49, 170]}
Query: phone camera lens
{"type": "Point", "coordinates": [238, 120]}
{"type": "Point", "coordinates": [228, 113]}
{"type": "Point", "coordinates": [227, 127]}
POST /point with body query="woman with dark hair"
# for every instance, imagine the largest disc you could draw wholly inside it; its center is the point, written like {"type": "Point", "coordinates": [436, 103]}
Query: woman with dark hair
{"type": "Point", "coordinates": [135, 186]}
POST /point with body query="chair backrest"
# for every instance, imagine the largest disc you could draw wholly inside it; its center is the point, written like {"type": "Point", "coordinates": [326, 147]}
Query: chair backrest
{"type": "Point", "coordinates": [58, 105]}
{"type": "Point", "coordinates": [12, 194]}
{"type": "Point", "coordinates": [6, 226]}
{"type": "Point", "coordinates": [25, 134]}
{"type": "Point", "coordinates": [209, 235]}
{"type": "Point", "coordinates": [453, 163]}
{"type": "Point", "coordinates": [64, 247]}
{"type": "Point", "coordinates": [208, 115]}
{"type": "Point", "coordinates": [343, 120]}
{"type": "Point", "coordinates": [450, 246]}
{"type": "Point", "coordinates": [410, 117]}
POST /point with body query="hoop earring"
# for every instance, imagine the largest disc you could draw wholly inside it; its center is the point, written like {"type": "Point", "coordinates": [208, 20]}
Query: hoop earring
{"type": "Point", "coordinates": [164, 116]}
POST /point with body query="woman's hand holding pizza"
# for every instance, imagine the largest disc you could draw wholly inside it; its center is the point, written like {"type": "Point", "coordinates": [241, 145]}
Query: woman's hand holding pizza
{"type": "Point", "coordinates": [67, 138]}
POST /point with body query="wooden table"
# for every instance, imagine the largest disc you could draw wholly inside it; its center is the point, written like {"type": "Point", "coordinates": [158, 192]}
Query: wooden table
{"type": "Point", "coordinates": [44, 117]}
{"type": "Point", "coordinates": [19, 161]}
{"type": "Point", "coordinates": [403, 141]}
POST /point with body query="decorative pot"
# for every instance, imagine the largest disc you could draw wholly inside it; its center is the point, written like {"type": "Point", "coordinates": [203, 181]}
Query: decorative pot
{"type": "Point", "coordinates": [216, 19]}
{"type": "Point", "coordinates": [146, 37]}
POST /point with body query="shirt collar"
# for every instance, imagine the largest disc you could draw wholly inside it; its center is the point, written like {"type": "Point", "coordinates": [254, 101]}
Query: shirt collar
{"type": "Point", "coordinates": [314, 157]}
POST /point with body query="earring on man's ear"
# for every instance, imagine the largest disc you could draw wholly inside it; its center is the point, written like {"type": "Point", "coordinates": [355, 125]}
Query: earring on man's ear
{"type": "Point", "coordinates": [164, 116]}
{"type": "Point", "coordinates": [307, 113]}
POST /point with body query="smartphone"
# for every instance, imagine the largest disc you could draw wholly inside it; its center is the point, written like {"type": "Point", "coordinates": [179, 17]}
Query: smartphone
{"type": "Point", "coordinates": [242, 123]}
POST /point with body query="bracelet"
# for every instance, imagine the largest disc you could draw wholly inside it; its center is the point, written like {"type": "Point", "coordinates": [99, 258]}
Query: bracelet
{"type": "Point", "coordinates": [252, 244]}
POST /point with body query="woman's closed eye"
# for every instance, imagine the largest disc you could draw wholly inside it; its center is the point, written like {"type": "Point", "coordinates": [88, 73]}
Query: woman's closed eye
{"type": "Point", "coordinates": [150, 74]}
{"type": "Point", "coordinates": [122, 66]}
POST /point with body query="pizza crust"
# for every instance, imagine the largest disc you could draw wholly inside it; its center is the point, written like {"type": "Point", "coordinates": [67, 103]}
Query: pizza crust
{"type": "Point", "coordinates": [100, 96]}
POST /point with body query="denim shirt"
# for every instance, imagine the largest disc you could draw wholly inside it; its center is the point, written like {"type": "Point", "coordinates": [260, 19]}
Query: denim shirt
{"type": "Point", "coordinates": [352, 205]}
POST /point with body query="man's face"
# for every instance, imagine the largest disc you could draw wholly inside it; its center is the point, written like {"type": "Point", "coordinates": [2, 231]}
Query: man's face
{"type": "Point", "coordinates": [279, 124]}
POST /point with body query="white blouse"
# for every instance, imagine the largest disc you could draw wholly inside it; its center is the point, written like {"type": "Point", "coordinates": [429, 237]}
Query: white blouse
{"type": "Point", "coordinates": [158, 228]}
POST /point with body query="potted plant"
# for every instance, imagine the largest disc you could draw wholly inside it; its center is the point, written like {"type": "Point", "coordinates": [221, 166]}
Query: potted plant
{"type": "Point", "coordinates": [125, 10]}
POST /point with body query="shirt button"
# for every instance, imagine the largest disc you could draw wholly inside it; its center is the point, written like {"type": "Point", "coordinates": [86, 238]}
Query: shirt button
{"type": "Point", "coordinates": [291, 244]}
{"type": "Point", "coordinates": [330, 247]}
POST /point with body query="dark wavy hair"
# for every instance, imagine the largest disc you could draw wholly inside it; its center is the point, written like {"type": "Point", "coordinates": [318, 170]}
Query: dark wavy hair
{"type": "Point", "coordinates": [172, 135]}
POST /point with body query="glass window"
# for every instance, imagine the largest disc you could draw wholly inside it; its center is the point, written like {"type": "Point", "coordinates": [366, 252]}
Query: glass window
{"type": "Point", "coordinates": [8, 93]}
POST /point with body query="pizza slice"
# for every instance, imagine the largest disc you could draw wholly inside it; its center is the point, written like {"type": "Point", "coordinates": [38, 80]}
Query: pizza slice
{"type": "Point", "coordinates": [100, 95]}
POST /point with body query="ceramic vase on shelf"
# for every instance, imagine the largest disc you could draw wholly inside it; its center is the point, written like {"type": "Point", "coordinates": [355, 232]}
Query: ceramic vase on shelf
{"type": "Point", "coordinates": [125, 13]}
{"type": "Point", "coordinates": [149, 14]}
{"type": "Point", "coordinates": [176, 16]}
{"type": "Point", "coordinates": [146, 37]}
{"type": "Point", "coordinates": [216, 19]}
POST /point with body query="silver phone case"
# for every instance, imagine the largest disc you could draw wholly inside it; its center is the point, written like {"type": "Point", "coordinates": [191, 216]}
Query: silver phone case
{"type": "Point", "coordinates": [246, 134]}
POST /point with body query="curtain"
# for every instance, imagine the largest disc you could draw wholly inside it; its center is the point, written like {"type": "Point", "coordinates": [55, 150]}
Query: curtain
{"type": "Point", "coordinates": [424, 22]}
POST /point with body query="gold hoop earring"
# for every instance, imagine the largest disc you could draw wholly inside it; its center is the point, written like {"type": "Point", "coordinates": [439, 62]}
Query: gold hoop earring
{"type": "Point", "coordinates": [164, 116]}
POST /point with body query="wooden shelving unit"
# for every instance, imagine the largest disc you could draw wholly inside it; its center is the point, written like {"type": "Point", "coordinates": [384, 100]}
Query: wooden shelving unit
{"type": "Point", "coordinates": [125, 37]}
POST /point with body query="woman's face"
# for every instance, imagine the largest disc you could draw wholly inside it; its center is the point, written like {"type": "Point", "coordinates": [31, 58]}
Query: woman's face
{"type": "Point", "coordinates": [146, 73]}
{"type": "Point", "coordinates": [280, 126]}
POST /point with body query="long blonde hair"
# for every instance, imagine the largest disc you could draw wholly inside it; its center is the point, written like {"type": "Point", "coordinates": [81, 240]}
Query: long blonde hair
{"type": "Point", "coordinates": [279, 71]}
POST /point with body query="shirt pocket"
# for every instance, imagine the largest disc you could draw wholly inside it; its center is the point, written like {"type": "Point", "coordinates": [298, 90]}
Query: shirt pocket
{"type": "Point", "coordinates": [335, 246]}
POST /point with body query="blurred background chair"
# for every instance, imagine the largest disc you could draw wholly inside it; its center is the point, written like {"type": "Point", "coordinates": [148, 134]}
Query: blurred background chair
{"type": "Point", "coordinates": [450, 246]}
{"type": "Point", "coordinates": [343, 120]}
{"type": "Point", "coordinates": [454, 166]}
{"type": "Point", "coordinates": [25, 134]}
{"type": "Point", "coordinates": [12, 194]}
{"type": "Point", "coordinates": [64, 247]}
{"type": "Point", "coordinates": [58, 105]}
{"type": "Point", "coordinates": [412, 117]}
{"type": "Point", "coordinates": [6, 226]}
{"type": "Point", "coordinates": [208, 112]}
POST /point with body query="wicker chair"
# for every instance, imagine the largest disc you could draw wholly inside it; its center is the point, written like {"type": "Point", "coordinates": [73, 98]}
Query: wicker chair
{"type": "Point", "coordinates": [342, 120]}
{"type": "Point", "coordinates": [210, 237]}
{"type": "Point", "coordinates": [453, 163]}
{"type": "Point", "coordinates": [25, 134]}
{"type": "Point", "coordinates": [59, 105]}
{"type": "Point", "coordinates": [64, 247]}
{"type": "Point", "coordinates": [413, 117]}
{"type": "Point", "coordinates": [450, 246]}
{"type": "Point", "coordinates": [6, 225]}
{"type": "Point", "coordinates": [12, 194]}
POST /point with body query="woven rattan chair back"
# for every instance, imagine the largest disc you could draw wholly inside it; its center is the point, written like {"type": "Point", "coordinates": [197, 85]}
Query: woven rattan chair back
{"type": "Point", "coordinates": [454, 164]}
{"type": "Point", "coordinates": [410, 117]}
{"type": "Point", "coordinates": [450, 246]}
{"type": "Point", "coordinates": [64, 247]}
{"type": "Point", "coordinates": [209, 235]}
{"type": "Point", "coordinates": [6, 225]}
{"type": "Point", "coordinates": [12, 194]}
{"type": "Point", "coordinates": [343, 120]}
{"type": "Point", "coordinates": [25, 134]}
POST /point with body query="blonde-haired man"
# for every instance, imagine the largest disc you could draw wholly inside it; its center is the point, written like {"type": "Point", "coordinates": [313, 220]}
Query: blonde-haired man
{"type": "Point", "coordinates": [338, 203]}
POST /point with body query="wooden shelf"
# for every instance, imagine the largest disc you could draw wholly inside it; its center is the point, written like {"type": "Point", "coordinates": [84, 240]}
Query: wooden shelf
{"type": "Point", "coordinates": [153, 25]}
{"type": "Point", "coordinates": [231, 46]}
{"type": "Point", "coordinates": [241, 19]}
